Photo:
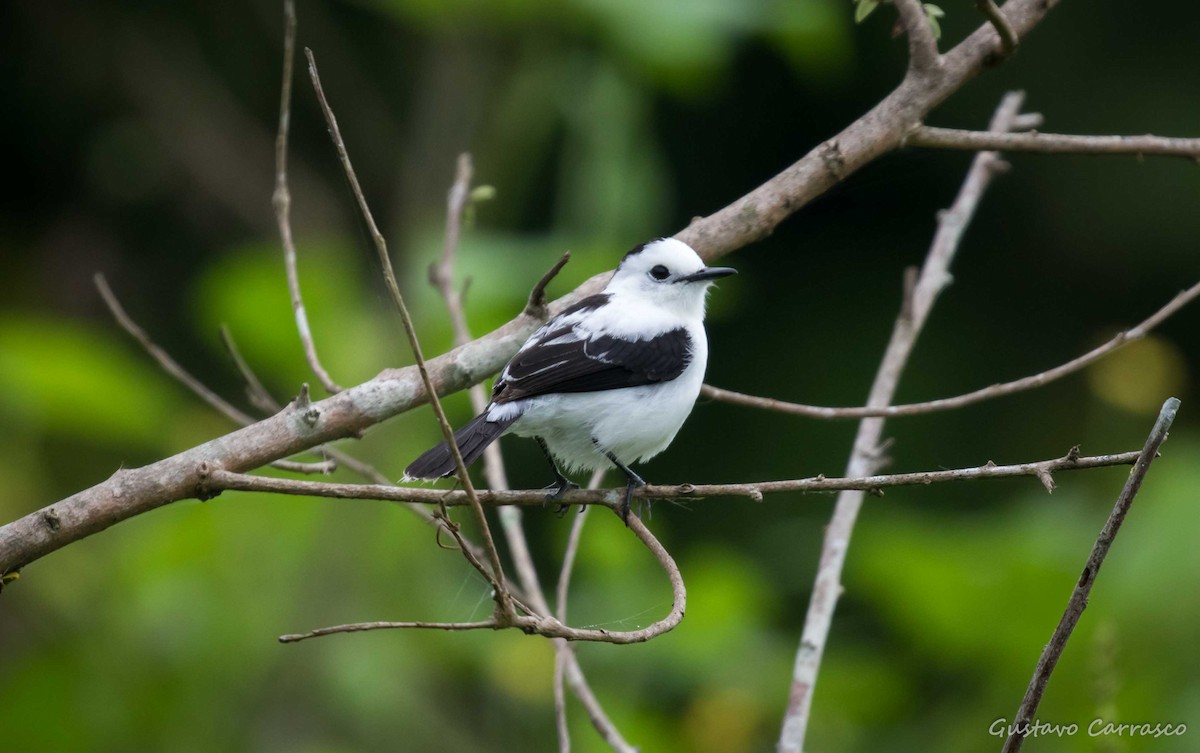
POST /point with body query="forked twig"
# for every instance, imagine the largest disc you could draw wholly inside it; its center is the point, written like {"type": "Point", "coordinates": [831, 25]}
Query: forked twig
{"type": "Point", "coordinates": [1079, 596]}
{"type": "Point", "coordinates": [865, 457]}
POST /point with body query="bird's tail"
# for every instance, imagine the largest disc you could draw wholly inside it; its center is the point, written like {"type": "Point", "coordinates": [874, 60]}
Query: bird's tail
{"type": "Point", "coordinates": [471, 439]}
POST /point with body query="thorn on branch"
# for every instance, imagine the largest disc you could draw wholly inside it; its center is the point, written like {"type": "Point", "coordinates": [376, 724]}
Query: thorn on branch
{"type": "Point", "coordinates": [1046, 479]}
{"type": "Point", "coordinates": [51, 519]}
{"type": "Point", "coordinates": [536, 306]}
{"type": "Point", "coordinates": [835, 161]}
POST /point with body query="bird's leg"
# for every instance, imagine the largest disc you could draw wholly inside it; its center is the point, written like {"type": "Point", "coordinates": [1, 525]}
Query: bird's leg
{"type": "Point", "coordinates": [633, 481]}
{"type": "Point", "coordinates": [562, 483]}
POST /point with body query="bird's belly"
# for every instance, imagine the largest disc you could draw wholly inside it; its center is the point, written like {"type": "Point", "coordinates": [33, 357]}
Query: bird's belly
{"type": "Point", "coordinates": [634, 423]}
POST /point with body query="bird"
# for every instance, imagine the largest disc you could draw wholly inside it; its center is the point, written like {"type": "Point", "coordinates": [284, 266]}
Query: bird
{"type": "Point", "coordinates": [609, 381]}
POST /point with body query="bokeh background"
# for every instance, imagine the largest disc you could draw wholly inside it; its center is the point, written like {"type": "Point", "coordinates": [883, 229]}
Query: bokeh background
{"type": "Point", "coordinates": [139, 143]}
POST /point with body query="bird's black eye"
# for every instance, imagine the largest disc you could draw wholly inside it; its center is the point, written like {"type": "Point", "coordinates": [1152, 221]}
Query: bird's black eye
{"type": "Point", "coordinates": [659, 272]}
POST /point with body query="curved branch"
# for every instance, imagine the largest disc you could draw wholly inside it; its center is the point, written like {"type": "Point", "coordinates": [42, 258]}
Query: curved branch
{"type": "Point", "coordinates": [545, 625]}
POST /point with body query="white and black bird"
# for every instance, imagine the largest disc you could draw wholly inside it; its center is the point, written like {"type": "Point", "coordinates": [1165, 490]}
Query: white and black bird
{"type": "Point", "coordinates": [607, 382]}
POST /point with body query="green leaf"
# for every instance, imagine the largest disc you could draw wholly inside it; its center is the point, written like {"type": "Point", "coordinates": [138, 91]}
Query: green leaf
{"type": "Point", "coordinates": [864, 9]}
{"type": "Point", "coordinates": [933, 13]}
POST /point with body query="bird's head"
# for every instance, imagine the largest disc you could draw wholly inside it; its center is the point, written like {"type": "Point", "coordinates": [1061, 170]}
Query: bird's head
{"type": "Point", "coordinates": [667, 273]}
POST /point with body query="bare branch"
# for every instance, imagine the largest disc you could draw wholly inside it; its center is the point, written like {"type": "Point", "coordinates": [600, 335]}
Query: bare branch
{"type": "Point", "coordinates": [282, 200]}
{"type": "Point", "coordinates": [1079, 596]}
{"type": "Point", "coordinates": [359, 627]}
{"type": "Point", "coordinates": [995, 16]}
{"type": "Point", "coordinates": [612, 498]}
{"type": "Point", "coordinates": [164, 359]}
{"type": "Point", "coordinates": [756, 214]}
{"type": "Point", "coordinates": [260, 397]}
{"type": "Point", "coordinates": [546, 625]}
{"type": "Point", "coordinates": [132, 492]}
{"type": "Point", "coordinates": [959, 401]}
{"type": "Point", "coordinates": [865, 457]}
{"type": "Point", "coordinates": [495, 577]}
{"type": "Point", "coordinates": [923, 57]}
{"type": "Point", "coordinates": [1053, 143]}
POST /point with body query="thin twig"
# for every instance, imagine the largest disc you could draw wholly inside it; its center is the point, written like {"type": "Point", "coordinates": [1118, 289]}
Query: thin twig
{"type": "Point", "coordinates": [996, 390]}
{"type": "Point", "coordinates": [257, 393]}
{"type": "Point", "coordinates": [1079, 596]}
{"type": "Point", "coordinates": [867, 456]}
{"type": "Point", "coordinates": [164, 359]}
{"type": "Point", "coordinates": [441, 276]}
{"type": "Point", "coordinates": [566, 662]}
{"type": "Point", "coordinates": [183, 376]}
{"type": "Point", "coordinates": [495, 577]}
{"type": "Point", "coordinates": [995, 16]}
{"type": "Point", "coordinates": [931, 137]}
{"type": "Point", "coordinates": [282, 200]}
{"type": "Point", "coordinates": [612, 498]}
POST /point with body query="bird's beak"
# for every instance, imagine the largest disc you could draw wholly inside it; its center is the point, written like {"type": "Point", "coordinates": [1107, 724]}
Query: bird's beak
{"type": "Point", "coordinates": [709, 273]}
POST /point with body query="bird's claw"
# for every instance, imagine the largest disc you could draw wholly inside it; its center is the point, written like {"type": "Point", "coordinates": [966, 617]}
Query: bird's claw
{"type": "Point", "coordinates": [563, 486]}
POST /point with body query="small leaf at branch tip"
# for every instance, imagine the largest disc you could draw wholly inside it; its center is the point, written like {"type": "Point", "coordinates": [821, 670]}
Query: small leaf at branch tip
{"type": "Point", "coordinates": [864, 9]}
{"type": "Point", "coordinates": [482, 193]}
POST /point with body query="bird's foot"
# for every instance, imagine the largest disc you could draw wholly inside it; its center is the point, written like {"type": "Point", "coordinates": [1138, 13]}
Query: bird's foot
{"type": "Point", "coordinates": [635, 482]}
{"type": "Point", "coordinates": [561, 487]}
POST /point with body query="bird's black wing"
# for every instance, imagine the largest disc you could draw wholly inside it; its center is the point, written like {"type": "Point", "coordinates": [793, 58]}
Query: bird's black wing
{"type": "Point", "coordinates": [557, 360]}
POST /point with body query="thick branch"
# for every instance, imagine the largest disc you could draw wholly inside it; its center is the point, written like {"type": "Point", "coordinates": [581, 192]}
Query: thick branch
{"type": "Point", "coordinates": [923, 58]}
{"type": "Point", "coordinates": [134, 491]}
{"type": "Point", "coordinates": [1079, 597]}
{"type": "Point", "coordinates": [1053, 143]}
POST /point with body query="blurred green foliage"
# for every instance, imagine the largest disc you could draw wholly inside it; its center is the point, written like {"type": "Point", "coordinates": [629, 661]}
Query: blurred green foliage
{"type": "Point", "coordinates": [142, 147]}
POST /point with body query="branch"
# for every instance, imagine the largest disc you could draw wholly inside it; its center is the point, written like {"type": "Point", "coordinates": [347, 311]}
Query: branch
{"type": "Point", "coordinates": [546, 625]}
{"type": "Point", "coordinates": [566, 664]}
{"type": "Point", "coordinates": [219, 480]}
{"type": "Point", "coordinates": [866, 455]}
{"type": "Point", "coordinates": [282, 200]}
{"type": "Point", "coordinates": [131, 492]}
{"type": "Point", "coordinates": [995, 16]}
{"type": "Point", "coordinates": [1053, 143]}
{"type": "Point", "coordinates": [504, 606]}
{"type": "Point", "coordinates": [1079, 596]}
{"type": "Point", "coordinates": [970, 398]}
{"type": "Point", "coordinates": [756, 214]}
{"type": "Point", "coordinates": [923, 58]}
